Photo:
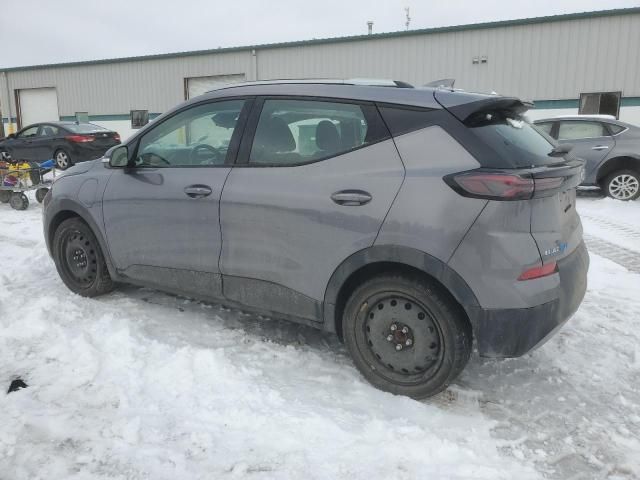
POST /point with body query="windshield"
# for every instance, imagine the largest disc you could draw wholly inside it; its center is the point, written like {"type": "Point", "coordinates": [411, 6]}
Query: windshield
{"type": "Point", "coordinates": [85, 128]}
{"type": "Point", "coordinates": [513, 138]}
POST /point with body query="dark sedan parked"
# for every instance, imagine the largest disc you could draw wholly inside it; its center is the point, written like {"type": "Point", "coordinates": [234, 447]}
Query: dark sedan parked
{"type": "Point", "coordinates": [66, 142]}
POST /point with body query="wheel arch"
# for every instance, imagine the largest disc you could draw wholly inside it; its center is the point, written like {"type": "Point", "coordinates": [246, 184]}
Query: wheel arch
{"type": "Point", "coordinates": [617, 163]}
{"type": "Point", "coordinates": [68, 209]}
{"type": "Point", "coordinates": [387, 258]}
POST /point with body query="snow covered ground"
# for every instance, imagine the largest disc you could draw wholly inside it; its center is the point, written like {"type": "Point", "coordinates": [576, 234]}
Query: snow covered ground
{"type": "Point", "coordinates": [139, 384]}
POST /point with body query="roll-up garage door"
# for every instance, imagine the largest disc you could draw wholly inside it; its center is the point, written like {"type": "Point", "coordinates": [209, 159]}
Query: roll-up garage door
{"type": "Point", "coordinates": [38, 105]}
{"type": "Point", "coordinates": [199, 85]}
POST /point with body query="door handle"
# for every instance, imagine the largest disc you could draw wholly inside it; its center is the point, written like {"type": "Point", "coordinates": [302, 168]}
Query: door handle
{"type": "Point", "coordinates": [600, 147]}
{"type": "Point", "coordinates": [351, 197]}
{"type": "Point", "coordinates": [198, 191]}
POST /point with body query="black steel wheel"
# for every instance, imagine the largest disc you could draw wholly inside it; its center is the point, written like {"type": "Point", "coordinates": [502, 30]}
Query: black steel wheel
{"type": "Point", "coordinates": [5, 196]}
{"type": "Point", "coordinates": [406, 335]}
{"type": "Point", "coordinates": [19, 201]}
{"type": "Point", "coordinates": [79, 259]}
{"type": "Point", "coordinates": [41, 193]}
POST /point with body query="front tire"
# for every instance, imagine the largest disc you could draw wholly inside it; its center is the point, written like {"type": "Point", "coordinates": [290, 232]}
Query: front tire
{"type": "Point", "coordinates": [623, 185]}
{"type": "Point", "coordinates": [406, 335]}
{"type": "Point", "coordinates": [62, 159]}
{"type": "Point", "coordinates": [79, 259]}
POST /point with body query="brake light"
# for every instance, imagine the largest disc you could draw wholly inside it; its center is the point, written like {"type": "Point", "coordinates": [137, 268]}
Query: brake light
{"type": "Point", "coordinates": [539, 272]}
{"type": "Point", "coordinates": [116, 137]}
{"type": "Point", "coordinates": [80, 138]}
{"type": "Point", "coordinates": [492, 185]}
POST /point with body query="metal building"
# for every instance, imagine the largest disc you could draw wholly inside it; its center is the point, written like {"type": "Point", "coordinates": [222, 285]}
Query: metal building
{"type": "Point", "coordinates": [583, 62]}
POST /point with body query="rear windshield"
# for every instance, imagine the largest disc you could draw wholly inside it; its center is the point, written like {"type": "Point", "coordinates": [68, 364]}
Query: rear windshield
{"type": "Point", "coordinates": [85, 128]}
{"type": "Point", "coordinates": [512, 138]}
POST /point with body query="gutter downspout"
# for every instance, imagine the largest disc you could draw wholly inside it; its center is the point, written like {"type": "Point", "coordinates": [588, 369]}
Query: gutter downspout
{"type": "Point", "coordinates": [6, 83]}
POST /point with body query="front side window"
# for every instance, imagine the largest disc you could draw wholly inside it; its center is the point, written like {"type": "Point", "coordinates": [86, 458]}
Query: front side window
{"type": "Point", "coordinates": [575, 130]}
{"type": "Point", "coordinates": [291, 132]}
{"type": "Point", "coordinates": [199, 136]}
{"type": "Point", "coordinates": [28, 132]}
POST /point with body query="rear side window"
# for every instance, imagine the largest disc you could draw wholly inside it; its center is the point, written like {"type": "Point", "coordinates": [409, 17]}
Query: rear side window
{"type": "Point", "coordinates": [512, 138]}
{"type": "Point", "coordinates": [291, 132]}
{"type": "Point", "coordinates": [575, 130]}
{"type": "Point", "coordinates": [85, 128]}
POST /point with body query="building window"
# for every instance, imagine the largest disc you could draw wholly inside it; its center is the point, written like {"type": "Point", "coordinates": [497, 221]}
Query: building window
{"type": "Point", "coordinates": [139, 118]}
{"type": "Point", "coordinates": [600, 103]}
{"type": "Point", "coordinates": [82, 117]}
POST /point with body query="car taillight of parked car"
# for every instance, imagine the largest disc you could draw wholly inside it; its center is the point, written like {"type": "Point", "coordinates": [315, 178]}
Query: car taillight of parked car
{"type": "Point", "coordinates": [80, 138]}
{"type": "Point", "coordinates": [501, 185]}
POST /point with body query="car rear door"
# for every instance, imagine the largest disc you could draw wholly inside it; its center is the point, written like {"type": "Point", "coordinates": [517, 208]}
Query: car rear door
{"type": "Point", "coordinates": [42, 144]}
{"type": "Point", "coordinates": [161, 214]}
{"type": "Point", "coordinates": [590, 139]}
{"type": "Point", "coordinates": [314, 182]}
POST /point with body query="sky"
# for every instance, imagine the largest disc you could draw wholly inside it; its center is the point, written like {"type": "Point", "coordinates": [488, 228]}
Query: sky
{"type": "Point", "coordinates": [41, 31]}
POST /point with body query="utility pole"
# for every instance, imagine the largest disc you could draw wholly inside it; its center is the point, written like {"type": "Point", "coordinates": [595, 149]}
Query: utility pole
{"type": "Point", "coordinates": [408, 18]}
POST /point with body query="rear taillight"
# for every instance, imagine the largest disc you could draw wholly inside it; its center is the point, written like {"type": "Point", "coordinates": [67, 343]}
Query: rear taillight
{"type": "Point", "coordinates": [491, 185]}
{"type": "Point", "coordinates": [80, 138]}
{"type": "Point", "coordinates": [538, 272]}
{"type": "Point", "coordinates": [504, 185]}
{"type": "Point", "coordinates": [116, 137]}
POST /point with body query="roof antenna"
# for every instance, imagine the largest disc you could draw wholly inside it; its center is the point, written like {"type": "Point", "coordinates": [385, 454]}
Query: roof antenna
{"type": "Point", "coordinates": [406, 24]}
{"type": "Point", "coordinates": [370, 25]}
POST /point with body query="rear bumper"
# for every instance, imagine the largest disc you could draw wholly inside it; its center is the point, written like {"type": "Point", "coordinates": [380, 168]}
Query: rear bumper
{"type": "Point", "coordinates": [513, 332]}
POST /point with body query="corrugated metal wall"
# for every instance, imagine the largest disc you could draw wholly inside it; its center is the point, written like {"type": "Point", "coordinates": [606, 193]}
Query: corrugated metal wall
{"type": "Point", "coordinates": [540, 61]}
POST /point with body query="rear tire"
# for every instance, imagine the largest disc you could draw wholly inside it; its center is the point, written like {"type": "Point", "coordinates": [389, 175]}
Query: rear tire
{"type": "Point", "coordinates": [406, 335]}
{"type": "Point", "coordinates": [623, 185]}
{"type": "Point", "coordinates": [19, 201]}
{"type": "Point", "coordinates": [79, 259]}
{"type": "Point", "coordinates": [5, 196]}
{"type": "Point", "coordinates": [62, 159]}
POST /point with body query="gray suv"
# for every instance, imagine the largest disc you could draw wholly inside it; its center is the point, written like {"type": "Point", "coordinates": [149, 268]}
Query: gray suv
{"type": "Point", "coordinates": [411, 222]}
{"type": "Point", "coordinates": [610, 148]}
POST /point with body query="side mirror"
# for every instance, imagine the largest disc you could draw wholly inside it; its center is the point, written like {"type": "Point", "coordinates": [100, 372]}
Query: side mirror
{"type": "Point", "coordinates": [119, 157]}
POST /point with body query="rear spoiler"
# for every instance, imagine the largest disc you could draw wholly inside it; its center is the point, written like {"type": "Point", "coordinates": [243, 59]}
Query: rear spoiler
{"type": "Point", "coordinates": [463, 105]}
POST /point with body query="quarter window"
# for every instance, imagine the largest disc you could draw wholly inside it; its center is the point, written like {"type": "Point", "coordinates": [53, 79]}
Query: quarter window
{"type": "Point", "coordinates": [580, 129]}
{"type": "Point", "coordinates": [199, 136]}
{"type": "Point", "coordinates": [291, 132]}
{"type": "Point", "coordinates": [545, 127]}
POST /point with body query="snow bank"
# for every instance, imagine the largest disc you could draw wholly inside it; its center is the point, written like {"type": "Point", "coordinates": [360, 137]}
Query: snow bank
{"type": "Point", "coordinates": [142, 385]}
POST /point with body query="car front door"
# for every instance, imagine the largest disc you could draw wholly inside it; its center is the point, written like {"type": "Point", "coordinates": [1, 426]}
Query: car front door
{"type": "Point", "coordinates": [21, 147]}
{"type": "Point", "coordinates": [161, 213]}
{"type": "Point", "coordinates": [590, 139]}
{"type": "Point", "coordinates": [311, 187]}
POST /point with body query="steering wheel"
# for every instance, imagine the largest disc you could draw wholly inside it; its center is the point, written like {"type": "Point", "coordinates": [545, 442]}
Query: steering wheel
{"type": "Point", "coordinates": [150, 158]}
{"type": "Point", "coordinates": [204, 154]}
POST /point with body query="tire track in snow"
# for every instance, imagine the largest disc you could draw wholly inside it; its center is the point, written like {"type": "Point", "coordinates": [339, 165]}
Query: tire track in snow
{"type": "Point", "coordinates": [629, 259]}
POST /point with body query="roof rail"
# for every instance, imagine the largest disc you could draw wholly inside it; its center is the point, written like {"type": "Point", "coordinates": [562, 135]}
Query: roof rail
{"type": "Point", "coordinates": [371, 82]}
